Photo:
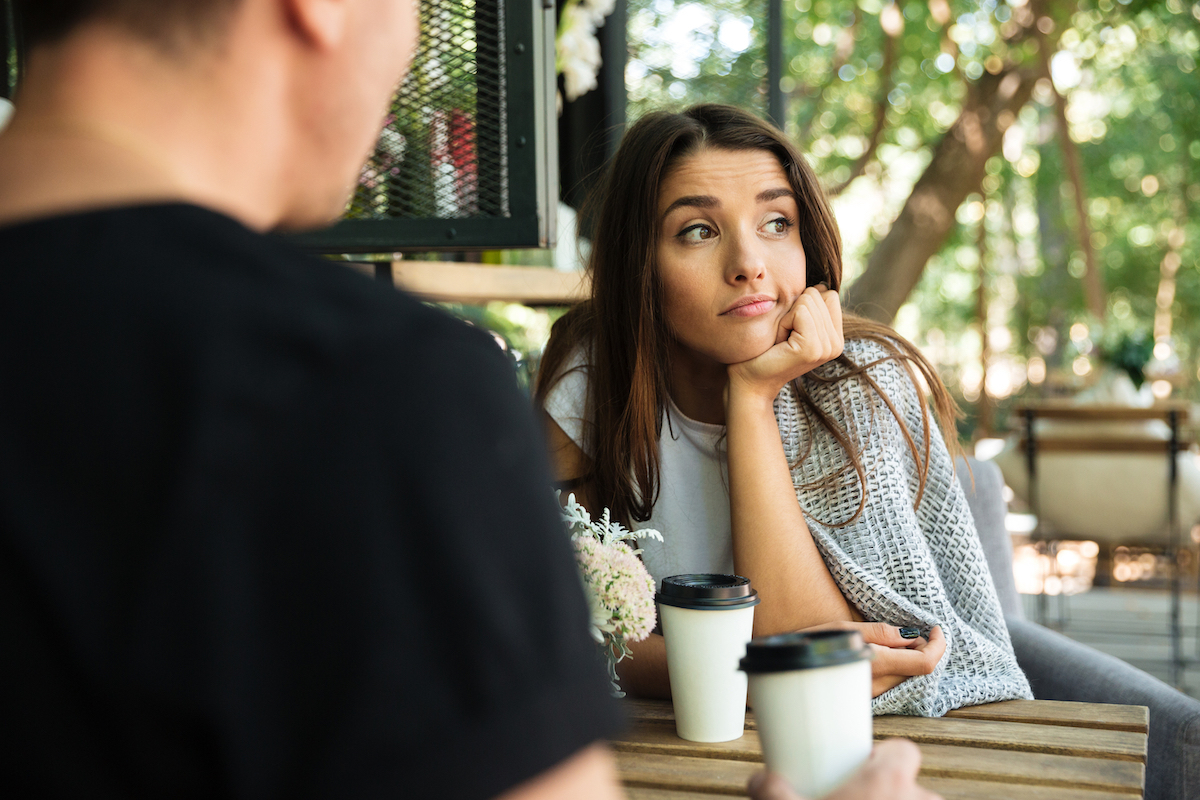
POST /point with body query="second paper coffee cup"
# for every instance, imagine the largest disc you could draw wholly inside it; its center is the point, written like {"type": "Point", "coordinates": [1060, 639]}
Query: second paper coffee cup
{"type": "Point", "coordinates": [811, 694]}
{"type": "Point", "coordinates": [707, 620]}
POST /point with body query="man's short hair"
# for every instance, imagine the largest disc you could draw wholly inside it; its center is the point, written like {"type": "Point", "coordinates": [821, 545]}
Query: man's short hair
{"type": "Point", "coordinates": [165, 22]}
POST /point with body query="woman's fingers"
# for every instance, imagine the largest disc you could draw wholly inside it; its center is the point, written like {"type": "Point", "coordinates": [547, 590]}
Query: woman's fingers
{"type": "Point", "coordinates": [899, 653]}
{"type": "Point", "coordinates": [887, 635]}
{"type": "Point", "coordinates": [813, 336]}
{"type": "Point", "coordinates": [921, 659]}
{"type": "Point", "coordinates": [903, 662]}
{"type": "Point", "coordinates": [880, 633]}
{"type": "Point", "coordinates": [937, 642]}
{"type": "Point", "coordinates": [788, 324]}
{"type": "Point", "coordinates": [833, 303]}
{"type": "Point", "coordinates": [811, 333]}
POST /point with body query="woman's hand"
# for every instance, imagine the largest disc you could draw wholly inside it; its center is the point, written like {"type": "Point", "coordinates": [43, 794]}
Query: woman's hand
{"type": "Point", "coordinates": [810, 335]}
{"type": "Point", "coordinates": [896, 658]}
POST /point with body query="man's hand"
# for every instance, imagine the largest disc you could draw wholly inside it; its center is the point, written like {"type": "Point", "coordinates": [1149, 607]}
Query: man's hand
{"type": "Point", "coordinates": [890, 773]}
{"type": "Point", "coordinates": [809, 335]}
{"type": "Point", "coordinates": [897, 658]}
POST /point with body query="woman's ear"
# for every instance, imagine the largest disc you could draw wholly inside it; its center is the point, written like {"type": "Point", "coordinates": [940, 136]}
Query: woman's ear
{"type": "Point", "coordinates": [322, 23]}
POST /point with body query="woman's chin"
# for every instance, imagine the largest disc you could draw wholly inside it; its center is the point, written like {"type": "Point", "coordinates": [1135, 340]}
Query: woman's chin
{"type": "Point", "coordinates": [728, 347]}
{"type": "Point", "coordinates": [748, 351]}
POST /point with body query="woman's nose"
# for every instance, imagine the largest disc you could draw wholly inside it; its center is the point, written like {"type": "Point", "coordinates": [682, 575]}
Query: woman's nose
{"type": "Point", "coordinates": [745, 261]}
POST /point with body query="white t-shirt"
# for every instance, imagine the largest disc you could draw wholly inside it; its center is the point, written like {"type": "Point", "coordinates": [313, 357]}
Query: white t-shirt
{"type": "Point", "coordinates": [692, 512]}
{"type": "Point", "coordinates": [896, 561]}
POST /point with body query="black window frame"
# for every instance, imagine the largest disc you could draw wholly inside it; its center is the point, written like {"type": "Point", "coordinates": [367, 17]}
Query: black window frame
{"type": "Point", "coordinates": [10, 51]}
{"type": "Point", "coordinates": [531, 149]}
{"type": "Point", "coordinates": [532, 152]}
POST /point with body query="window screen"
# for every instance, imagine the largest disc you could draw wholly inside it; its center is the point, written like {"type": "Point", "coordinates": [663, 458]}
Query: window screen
{"type": "Point", "coordinates": [467, 156]}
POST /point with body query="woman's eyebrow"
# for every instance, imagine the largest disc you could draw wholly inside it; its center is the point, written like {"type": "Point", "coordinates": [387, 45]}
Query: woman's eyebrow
{"type": "Point", "coordinates": [695, 201]}
{"type": "Point", "coordinates": [774, 194]}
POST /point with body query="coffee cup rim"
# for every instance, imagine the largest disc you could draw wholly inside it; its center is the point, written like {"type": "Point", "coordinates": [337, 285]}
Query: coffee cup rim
{"type": "Point", "coordinates": [787, 652]}
{"type": "Point", "coordinates": [706, 591]}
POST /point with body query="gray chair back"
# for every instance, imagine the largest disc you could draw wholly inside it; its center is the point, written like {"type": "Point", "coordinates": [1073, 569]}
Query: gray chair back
{"type": "Point", "coordinates": [984, 487]}
{"type": "Point", "coordinates": [1059, 668]}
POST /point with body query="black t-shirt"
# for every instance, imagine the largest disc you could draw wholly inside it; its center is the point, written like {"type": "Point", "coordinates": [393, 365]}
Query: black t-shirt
{"type": "Point", "coordinates": [268, 529]}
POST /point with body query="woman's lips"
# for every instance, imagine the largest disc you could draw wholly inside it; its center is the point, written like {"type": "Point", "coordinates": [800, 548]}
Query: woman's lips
{"type": "Point", "coordinates": [750, 306]}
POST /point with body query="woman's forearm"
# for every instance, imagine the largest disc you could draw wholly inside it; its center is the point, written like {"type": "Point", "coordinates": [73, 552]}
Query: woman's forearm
{"type": "Point", "coordinates": [772, 545]}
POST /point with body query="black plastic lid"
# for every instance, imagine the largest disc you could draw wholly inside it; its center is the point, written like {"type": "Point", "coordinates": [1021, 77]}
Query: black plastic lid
{"type": "Point", "coordinates": [706, 591]}
{"type": "Point", "coordinates": [792, 651]}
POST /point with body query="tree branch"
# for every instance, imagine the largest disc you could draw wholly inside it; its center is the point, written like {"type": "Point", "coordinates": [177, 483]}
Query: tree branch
{"type": "Point", "coordinates": [957, 169]}
{"type": "Point", "coordinates": [881, 109]}
{"type": "Point", "coordinates": [841, 55]}
{"type": "Point", "coordinates": [1093, 280]}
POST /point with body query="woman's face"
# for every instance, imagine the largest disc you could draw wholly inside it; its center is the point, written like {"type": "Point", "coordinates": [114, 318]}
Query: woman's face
{"type": "Point", "coordinates": [729, 253]}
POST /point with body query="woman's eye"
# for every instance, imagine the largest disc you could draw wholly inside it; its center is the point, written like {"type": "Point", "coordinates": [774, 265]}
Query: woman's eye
{"type": "Point", "coordinates": [779, 225]}
{"type": "Point", "coordinates": [696, 233]}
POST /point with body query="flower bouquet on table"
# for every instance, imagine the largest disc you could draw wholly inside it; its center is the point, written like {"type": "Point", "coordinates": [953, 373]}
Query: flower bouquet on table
{"type": "Point", "coordinates": [619, 589]}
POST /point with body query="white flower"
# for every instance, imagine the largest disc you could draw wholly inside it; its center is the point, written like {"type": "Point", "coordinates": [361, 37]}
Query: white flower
{"type": "Point", "coordinates": [599, 9]}
{"type": "Point", "coordinates": [578, 51]}
{"type": "Point", "coordinates": [619, 589]}
{"type": "Point", "coordinates": [601, 622]}
{"type": "Point", "coordinates": [620, 585]}
{"type": "Point", "coordinates": [606, 530]}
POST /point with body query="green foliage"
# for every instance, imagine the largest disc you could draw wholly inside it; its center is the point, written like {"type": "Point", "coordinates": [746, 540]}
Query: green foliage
{"type": "Point", "coordinates": [1129, 351]}
{"type": "Point", "coordinates": [1133, 113]}
{"type": "Point", "coordinates": [520, 331]}
{"type": "Point", "coordinates": [681, 53]}
{"type": "Point", "coordinates": [1128, 70]}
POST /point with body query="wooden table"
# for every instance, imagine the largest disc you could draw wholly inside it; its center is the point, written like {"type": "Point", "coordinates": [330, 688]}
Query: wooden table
{"type": "Point", "coordinates": [1016, 750]}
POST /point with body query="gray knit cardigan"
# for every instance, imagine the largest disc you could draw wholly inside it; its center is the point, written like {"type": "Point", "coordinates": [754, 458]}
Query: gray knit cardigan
{"type": "Point", "coordinates": [904, 565]}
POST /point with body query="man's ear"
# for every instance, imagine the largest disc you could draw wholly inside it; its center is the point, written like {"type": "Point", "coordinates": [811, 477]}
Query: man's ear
{"type": "Point", "coordinates": [322, 23]}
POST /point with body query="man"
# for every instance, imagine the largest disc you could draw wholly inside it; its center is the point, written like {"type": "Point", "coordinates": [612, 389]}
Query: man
{"type": "Point", "coordinates": [267, 528]}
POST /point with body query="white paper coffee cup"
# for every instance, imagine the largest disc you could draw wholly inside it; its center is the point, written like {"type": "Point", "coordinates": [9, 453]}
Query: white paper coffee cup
{"type": "Point", "coordinates": [811, 694]}
{"type": "Point", "coordinates": [707, 621]}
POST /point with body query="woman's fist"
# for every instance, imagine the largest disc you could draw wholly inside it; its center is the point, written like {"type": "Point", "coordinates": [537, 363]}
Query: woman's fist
{"type": "Point", "coordinates": [810, 335]}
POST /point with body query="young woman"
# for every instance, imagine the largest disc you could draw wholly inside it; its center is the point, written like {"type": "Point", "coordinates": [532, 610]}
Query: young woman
{"type": "Point", "coordinates": [712, 388]}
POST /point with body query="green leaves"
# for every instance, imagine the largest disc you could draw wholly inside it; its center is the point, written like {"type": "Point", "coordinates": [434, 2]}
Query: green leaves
{"type": "Point", "coordinates": [1129, 73]}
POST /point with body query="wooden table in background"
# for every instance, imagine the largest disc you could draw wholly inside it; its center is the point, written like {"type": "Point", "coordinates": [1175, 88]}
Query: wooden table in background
{"type": "Point", "coordinates": [1016, 750]}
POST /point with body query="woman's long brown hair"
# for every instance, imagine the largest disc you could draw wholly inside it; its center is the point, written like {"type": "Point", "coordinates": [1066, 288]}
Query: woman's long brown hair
{"type": "Point", "coordinates": [624, 331]}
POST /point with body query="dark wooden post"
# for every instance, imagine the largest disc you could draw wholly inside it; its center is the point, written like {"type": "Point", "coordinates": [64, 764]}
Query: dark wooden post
{"type": "Point", "coordinates": [9, 51]}
{"type": "Point", "coordinates": [591, 127]}
{"type": "Point", "coordinates": [775, 100]}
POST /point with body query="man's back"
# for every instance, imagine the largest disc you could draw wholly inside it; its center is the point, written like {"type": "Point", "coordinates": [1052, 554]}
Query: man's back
{"type": "Point", "coordinates": [268, 525]}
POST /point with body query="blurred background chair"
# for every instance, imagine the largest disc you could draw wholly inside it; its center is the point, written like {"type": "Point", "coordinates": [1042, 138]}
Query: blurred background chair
{"type": "Point", "coordinates": [1116, 475]}
{"type": "Point", "coordinates": [1061, 669]}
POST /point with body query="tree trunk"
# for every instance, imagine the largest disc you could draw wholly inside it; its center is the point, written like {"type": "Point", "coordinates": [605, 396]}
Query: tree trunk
{"type": "Point", "coordinates": [1164, 299]}
{"type": "Point", "coordinates": [1094, 292]}
{"type": "Point", "coordinates": [957, 169]}
{"type": "Point", "coordinates": [986, 418]}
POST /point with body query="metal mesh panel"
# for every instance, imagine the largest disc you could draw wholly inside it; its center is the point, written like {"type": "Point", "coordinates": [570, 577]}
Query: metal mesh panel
{"type": "Point", "coordinates": [442, 154]}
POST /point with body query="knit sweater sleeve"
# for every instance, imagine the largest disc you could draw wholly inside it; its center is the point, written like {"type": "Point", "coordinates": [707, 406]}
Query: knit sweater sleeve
{"type": "Point", "coordinates": [898, 560]}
